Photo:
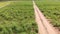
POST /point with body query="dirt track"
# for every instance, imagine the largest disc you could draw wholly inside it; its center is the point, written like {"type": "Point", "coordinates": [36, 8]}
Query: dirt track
{"type": "Point", "coordinates": [44, 27]}
{"type": "Point", "coordinates": [5, 4]}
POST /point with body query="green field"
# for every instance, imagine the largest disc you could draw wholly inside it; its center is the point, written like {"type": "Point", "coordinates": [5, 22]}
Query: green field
{"type": "Point", "coordinates": [51, 9]}
{"type": "Point", "coordinates": [18, 18]}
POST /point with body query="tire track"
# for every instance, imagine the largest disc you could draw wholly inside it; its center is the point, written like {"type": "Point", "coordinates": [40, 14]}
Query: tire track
{"type": "Point", "coordinates": [44, 26]}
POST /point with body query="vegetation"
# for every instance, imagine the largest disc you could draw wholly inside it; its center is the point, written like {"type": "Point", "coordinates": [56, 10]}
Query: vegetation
{"type": "Point", "coordinates": [18, 18]}
{"type": "Point", "coordinates": [15, 0]}
{"type": "Point", "coordinates": [51, 9]}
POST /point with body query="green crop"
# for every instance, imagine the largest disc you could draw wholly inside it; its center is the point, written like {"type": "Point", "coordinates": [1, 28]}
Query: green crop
{"type": "Point", "coordinates": [18, 18]}
{"type": "Point", "coordinates": [51, 10]}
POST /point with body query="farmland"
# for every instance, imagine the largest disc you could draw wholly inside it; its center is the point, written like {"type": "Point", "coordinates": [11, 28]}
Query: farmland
{"type": "Point", "coordinates": [18, 18]}
{"type": "Point", "coordinates": [50, 9]}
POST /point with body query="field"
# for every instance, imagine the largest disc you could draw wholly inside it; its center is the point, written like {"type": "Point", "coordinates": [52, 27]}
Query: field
{"type": "Point", "coordinates": [18, 18]}
{"type": "Point", "coordinates": [51, 9]}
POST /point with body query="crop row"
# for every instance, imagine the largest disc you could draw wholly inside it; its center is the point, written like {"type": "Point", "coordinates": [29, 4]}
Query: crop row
{"type": "Point", "coordinates": [51, 9]}
{"type": "Point", "coordinates": [18, 18]}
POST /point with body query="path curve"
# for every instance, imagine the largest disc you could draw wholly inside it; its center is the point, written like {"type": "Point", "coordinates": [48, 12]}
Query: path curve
{"type": "Point", "coordinates": [5, 4]}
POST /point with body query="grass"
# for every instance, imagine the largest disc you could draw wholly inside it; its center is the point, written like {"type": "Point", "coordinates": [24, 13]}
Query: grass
{"type": "Point", "coordinates": [18, 18]}
{"type": "Point", "coordinates": [51, 9]}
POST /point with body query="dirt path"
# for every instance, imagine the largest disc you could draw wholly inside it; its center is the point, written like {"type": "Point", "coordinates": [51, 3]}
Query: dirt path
{"type": "Point", "coordinates": [3, 4]}
{"type": "Point", "coordinates": [44, 27]}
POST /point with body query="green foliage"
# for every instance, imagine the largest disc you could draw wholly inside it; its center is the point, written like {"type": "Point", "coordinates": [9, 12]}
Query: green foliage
{"type": "Point", "coordinates": [18, 18]}
{"type": "Point", "coordinates": [51, 9]}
